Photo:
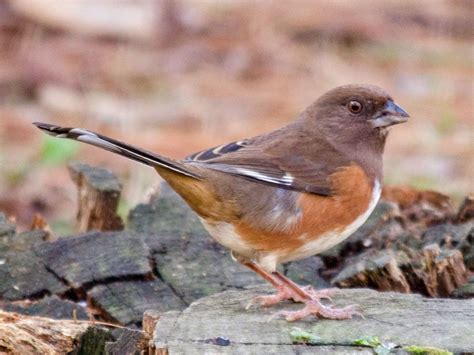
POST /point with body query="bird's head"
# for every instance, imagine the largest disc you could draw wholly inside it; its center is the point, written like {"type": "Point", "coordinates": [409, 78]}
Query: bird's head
{"type": "Point", "coordinates": [355, 112]}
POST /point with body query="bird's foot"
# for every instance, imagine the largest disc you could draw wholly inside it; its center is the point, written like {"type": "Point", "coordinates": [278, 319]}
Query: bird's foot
{"type": "Point", "coordinates": [320, 294]}
{"type": "Point", "coordinates": [315, 307]}
{"type": "Point", "coordinates": [286, 293]}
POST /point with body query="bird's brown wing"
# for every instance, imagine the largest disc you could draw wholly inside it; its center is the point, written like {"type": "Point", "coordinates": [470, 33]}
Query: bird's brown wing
{"type": "Point", "coordinates": [302, 167]}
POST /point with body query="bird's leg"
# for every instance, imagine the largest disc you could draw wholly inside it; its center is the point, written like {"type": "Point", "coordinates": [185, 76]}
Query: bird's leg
{"type": "Point", "coordinates": [315, 294]}
{"type": "Point", "coordinates": [314, 306]}
{"type": "Point", "coordinates": [284, 293]}
{"type": "Point", "coordinates": [287, 289]}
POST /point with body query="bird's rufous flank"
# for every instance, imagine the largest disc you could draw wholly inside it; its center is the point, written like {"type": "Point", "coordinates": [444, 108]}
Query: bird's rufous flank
{"type": "Point", "coordinates": [287, 194]}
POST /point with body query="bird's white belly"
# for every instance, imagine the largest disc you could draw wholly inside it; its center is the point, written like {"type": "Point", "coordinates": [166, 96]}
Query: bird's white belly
{"type": "Point", "coordinates": [224, 233]}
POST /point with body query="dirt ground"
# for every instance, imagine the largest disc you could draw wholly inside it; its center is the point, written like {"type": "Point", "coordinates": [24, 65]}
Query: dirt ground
{"type": "Point", "coordinates": [176, 77]}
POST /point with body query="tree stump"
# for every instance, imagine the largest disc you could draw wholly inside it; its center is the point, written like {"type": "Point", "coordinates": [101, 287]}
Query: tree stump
{"type": "Point", "coordinates": [98, 195]}
{"type": "Point", "coordinates": [220, 324]}
{"type": "Point", "coordinates": [20, 334]}
{"type": "Point", "coordinates": [36, 335]}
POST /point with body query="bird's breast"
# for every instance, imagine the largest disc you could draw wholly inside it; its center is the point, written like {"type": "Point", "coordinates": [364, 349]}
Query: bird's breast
{"type": "Point", "coordinates": [316, 241]}
{"type": "Point", "coordinates": [317, 224]}
{"type": "Point", "coordinates": [322, 221]}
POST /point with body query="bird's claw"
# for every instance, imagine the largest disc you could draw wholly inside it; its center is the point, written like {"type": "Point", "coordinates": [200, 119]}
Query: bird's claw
{"type": "Point", "coordinates": [319, 310]}
{"type": "Point", "coordinates": [320, 294]}
{"type": "Point", "coordinates": [268, 300]}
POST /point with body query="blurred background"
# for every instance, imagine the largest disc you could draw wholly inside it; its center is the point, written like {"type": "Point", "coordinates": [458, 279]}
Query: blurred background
{"type": "Point", "coordinates": [179, 76]}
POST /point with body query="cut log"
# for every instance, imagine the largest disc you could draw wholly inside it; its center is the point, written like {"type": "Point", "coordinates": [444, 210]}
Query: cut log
{"type": "Point", "coordinates": [50, 307]}
{"type": "Point", "coordinates": [378, 271]}
{"type": "Point", "coordinates": [465, 291]}
{"type": "Point", "coordinates": [423, 206]}
{"type": "Point", "coordinates": [36, 335]}
{"type": "Point", "coordinates": [7, 228]}
{"type": "Point", "coordinates": [220, 324]}
{"type": "Point", "coordinates": [98, 196]}
{"type": "Point", "coordinates": [23, 274]}
{"type": "Point", "coordinates": [125, 302]}
{"type": "Point", "coordinates": [127, 341]}
{"type": "Point", "coordinates": [433, 272]}
{"type": "Point", "coordinates": [94, 257]}
{"type": "Point", "coordinates": [444, 270]}
{"type": "Point", "coordinates": [307, 272]}
{"type": "Point", "coordinates": [39, 223]}
{"type": "Point", "coordinates": [466, 211]}
{"type": "Point", "coordinates": [20, 334]}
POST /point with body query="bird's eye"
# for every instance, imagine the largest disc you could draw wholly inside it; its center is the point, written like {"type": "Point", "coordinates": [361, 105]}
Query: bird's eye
{"type": "Point", "coordinates": [355, 106]}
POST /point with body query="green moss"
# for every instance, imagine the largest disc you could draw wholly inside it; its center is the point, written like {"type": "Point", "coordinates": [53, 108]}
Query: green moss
{"type": "Point", "coordinates": [299, 336]}
{"type": "Point", "coordinates": [93, 342]}
{"type": "Point", "coordinates": [379, 347]}
{"type": "Point", "coordinates": [425, 350]}
{"type": "Point", "coordinates": [372, 341]}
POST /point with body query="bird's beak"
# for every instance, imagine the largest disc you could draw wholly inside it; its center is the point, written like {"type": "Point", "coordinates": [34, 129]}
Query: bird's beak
{"type": "Point", "coordinates": [390, 115]}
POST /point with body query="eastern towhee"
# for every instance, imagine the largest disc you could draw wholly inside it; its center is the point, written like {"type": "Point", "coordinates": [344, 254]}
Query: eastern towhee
{"type": "Point", "coordinates": [287, 194]}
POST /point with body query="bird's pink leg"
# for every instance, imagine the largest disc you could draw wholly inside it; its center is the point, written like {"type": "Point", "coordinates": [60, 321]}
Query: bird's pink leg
{"type": "Point", "coordinates": [314, 294]}
{"type": "Point", "coordinates": [287, 289]}
{"type": "Point", "coordinates": [284, 293]}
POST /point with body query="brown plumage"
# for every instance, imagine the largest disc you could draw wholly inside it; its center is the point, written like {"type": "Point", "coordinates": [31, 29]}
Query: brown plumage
{"type": "Point", "coordinates": [287, 194]}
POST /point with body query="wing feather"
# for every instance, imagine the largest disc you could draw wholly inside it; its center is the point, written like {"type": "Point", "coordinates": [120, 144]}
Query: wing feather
{"type": "Point", "coordinates": [255, 161]}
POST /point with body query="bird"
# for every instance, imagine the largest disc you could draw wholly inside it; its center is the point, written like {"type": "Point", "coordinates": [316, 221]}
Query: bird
{"type": "Point", "coordinates": [287, 194]}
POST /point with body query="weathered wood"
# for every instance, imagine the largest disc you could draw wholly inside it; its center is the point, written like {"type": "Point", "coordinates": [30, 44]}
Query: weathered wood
{"type": "Point", "coordinates": [98, 197]}
{"type": "Point", "coordinates": [23, 274]}
{"type": "Point", "coordinates": [379, 271]}
{"type": "Point", "coordinates": [39, 223]}
{"type": "Point", "coordinates": [21, 334]}
{"type": "Point", "coordinates": [402, 319]}
{"type": "Point", "coordinates": [163, 332]}
{"type": "Point", "coordinates": [36, 335]}
{"type": "Point", "coordinates": [7, 232]}
{"type": "Point", "coordinates": [7, 228]}
{"type": "Point", "coordinates": [150, 317]}
{"type": "Point", "coordinates": [433, 272]}
{"type": "Point", "coordinates": [50, 307]}
{"type": "Point", "coordinates": [125, 302]}
{"type": "Point", "coordinates": [466, 210]}
{"type": "Point", "coordinates": [128, 341]}
{"type": "Point", "coordinates": [443, 270]}
{"type": "Point", "coordinates": [423, 206]}
{"type": "Point", "coordinates": [307, 272]}
{"type": "Point", "coordinates": [92, 342]}
{"type": "Point", "coordinates": [97, 257]}
{"type": "Point", "coordinates": [465, 291]}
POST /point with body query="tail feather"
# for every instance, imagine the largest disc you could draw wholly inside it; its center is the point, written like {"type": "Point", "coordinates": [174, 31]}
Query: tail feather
{"type": "Point", "coordinates": [115, 146]}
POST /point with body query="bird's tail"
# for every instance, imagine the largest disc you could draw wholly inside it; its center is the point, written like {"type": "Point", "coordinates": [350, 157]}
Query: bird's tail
{"type": "Point", "coordinates": [115, 146]}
